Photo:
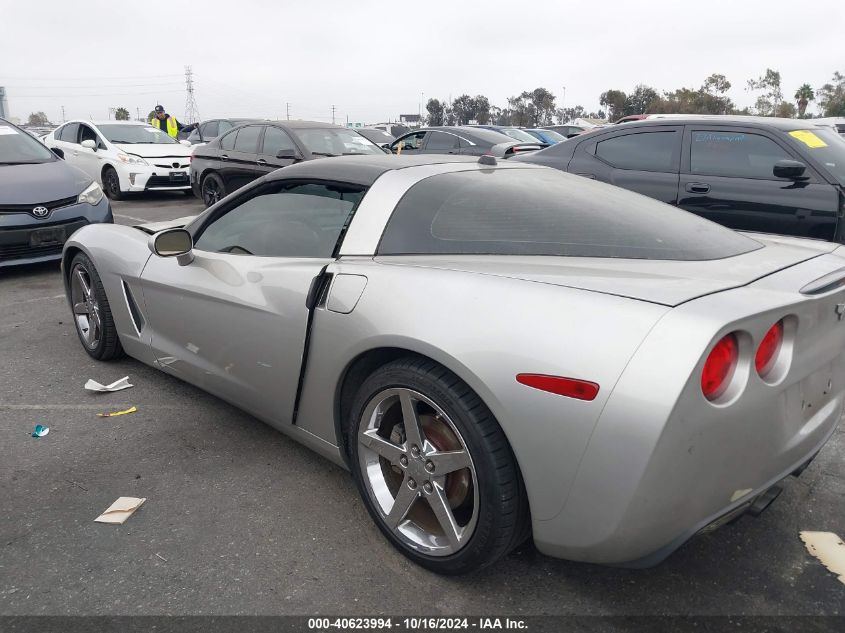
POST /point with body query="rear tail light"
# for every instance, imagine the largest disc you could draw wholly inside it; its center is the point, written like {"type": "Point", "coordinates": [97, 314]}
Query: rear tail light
{"type": "Point", "coordinates": [570, 387]}
{"type": "Point", "coordinates": [768, 350]}
{"type": "Point", "coordinates": [719, 367]}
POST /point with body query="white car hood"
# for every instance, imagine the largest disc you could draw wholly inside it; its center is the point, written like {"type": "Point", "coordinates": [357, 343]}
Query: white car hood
{"type": "Point", "coordinates": [154, 150]}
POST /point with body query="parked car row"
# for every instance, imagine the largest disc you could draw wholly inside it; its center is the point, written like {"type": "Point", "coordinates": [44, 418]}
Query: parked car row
{"type": "Point", "coordinates": [761, 174]}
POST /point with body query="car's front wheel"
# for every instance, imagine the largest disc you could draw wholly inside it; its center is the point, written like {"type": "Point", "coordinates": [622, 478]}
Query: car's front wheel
{"type": "Point", "coordinates": [111, 184]}
{"type": "Point", "coordinates": [212, 189]}
{"type": "Point", "coordinates": [91, 311]}
{"type": "Point", "coordinates": [435, 469]}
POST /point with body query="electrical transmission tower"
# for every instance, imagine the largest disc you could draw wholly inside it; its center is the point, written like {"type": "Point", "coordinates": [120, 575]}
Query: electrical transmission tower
{"type": "Point", "coordinates": [192, 114]}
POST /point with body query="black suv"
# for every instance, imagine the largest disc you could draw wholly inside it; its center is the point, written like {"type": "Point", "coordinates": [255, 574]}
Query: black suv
{"type": "Point", "coordinates": [770, 175]}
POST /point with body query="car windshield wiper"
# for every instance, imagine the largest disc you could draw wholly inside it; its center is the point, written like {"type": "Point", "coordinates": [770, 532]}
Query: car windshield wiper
{"type": "Point", "coordinates": [124, 142]}
{"type": "Point", "coordinates": [21, 162]}
{"type": "Point", "coordinates": [323, 154]}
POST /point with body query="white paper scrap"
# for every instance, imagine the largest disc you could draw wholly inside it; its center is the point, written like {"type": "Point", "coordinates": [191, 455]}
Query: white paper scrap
{"type": "Point", "coordinates": [120, 510]}
{"type": "Point", "coordinates": [117, 385]}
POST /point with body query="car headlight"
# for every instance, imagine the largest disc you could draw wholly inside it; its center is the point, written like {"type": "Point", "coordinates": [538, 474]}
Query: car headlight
{"type": "Point", "coordinates": [131, 159]}
{"type": "Point", "coordinates": [92, 194]}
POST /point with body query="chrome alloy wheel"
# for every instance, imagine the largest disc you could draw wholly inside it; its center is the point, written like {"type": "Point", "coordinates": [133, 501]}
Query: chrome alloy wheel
{"type": "Point", "coordinates": [86, 310]}
{"type": "Point", "coordinates": [417, 470]}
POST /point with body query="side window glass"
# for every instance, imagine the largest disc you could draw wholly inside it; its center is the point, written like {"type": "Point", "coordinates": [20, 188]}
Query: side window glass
{"type": "Point", "coordinates": [737, 154]}
{"type": "Point", "coordinates": [302, 220]}
{"type": "Point", "coordinates": [442, 141]}
{"type": "Point", "coordinates": [69, 133]}
{"type": "Point", "coordinates": [228, 141]}
{"type": "Point", "coordinates": [224, 127]}
{"type": "Point", "coordinates": [247, 140]}
{"type": "Point", "coordinates": [87, 134]}
{"type": "Point", "coordinates": [276, 140]}
{"type": "Point", "coordinates": [412, 142]}
{"type": "Point", "coordinates": [209, 130]}
{"type": "Point", "coordinates": [647, 151]}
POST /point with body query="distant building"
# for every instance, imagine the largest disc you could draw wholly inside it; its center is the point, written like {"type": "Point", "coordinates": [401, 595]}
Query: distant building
{"type": "Point", "coordinates": [411, 120]}
{"type": "Point", "coordinates": [4, 106]}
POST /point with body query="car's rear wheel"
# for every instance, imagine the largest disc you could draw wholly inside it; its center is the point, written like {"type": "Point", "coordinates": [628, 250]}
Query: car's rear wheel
{"type": "Point", "coordinates": [212, 189]}
{"type": "Point", "coordinates": [91, 311]}
{"type": "Point", "coordinates": [111, 184]}
{"type": "Point", "coordinates": [434, 468]}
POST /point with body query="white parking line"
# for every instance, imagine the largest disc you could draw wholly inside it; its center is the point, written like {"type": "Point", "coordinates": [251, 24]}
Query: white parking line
{"type": "Point", "coordinates": [829, 549]}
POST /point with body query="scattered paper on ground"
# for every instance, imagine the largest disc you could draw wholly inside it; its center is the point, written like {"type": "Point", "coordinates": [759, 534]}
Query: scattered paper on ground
{"type": "Point", "coordinates": [120, 510]}
{"type": "Point", "coordinates": [117, 385]}
{"type": "Point", "coordinates": [829, 549]}
{"type": "Point", "coordinates": [40, 430]}
{"type": "Point", "coordinates": [114, 413]}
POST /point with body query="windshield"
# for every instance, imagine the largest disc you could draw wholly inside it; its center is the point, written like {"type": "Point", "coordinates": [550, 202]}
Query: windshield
{"type": "Point", "coordinates": [549, 135]}
{"type": "Point", "coordinates": [519, 135]}
{"type": "Point", "coordinates": [336, 142]}
{"type": "Point", "coordinates": [135, 135]}
{"type": "Point", "coordinates": [827, 147]}
{"type": "Point", "coordinates": [18, 147]}
{"type": "Point", "coordinates": [546, 212]}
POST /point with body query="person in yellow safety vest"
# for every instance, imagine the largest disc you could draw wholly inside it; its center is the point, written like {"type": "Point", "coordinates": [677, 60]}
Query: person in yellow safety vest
{"type": "Point", "coordinates": [172, 125]}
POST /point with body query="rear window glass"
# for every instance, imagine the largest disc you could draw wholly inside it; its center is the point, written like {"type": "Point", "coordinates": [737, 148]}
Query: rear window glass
{"type": "Point", "coordinates": [545, 212]}
{"type": "Point", "coordinates": [16, 146]}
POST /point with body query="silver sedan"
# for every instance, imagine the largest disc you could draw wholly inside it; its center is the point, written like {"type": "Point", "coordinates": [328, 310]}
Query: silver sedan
{"type": "Point", "coordinates": [495, 351]}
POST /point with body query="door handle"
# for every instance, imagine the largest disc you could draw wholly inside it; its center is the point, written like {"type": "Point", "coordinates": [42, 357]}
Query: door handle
{"type": "Point", "coordinates": [697, 187]}
{"type": "Point", "coordinates": [261, 162]}
{"type": "Point", "coordinates": [224, 157]}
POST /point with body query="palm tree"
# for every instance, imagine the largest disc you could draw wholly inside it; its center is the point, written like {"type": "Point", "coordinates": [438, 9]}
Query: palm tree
{"type": "Point", "coordinates": [803, 96]}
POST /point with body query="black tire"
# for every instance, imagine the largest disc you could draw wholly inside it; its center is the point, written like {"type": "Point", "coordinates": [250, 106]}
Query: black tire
{"type": "Point", "coordinates": [503, 520]}
{"type": "Point", "coordinates": [111, 184]}
{"type": "Point", "coordinates": [107, 346]}
{"type": "Point", "coordinates": [212, 189]}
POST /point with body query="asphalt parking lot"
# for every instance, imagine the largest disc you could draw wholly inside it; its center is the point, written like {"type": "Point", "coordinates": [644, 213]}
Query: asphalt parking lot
{"type": "Point", "coordinates": [239, 519]}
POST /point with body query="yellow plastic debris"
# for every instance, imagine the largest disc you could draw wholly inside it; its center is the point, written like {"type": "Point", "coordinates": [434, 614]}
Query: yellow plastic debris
{"type": "Point", "coordinates": [111, 415]}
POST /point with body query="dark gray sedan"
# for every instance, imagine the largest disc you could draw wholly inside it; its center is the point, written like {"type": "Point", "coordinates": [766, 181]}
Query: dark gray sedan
{"type": "Point", "coordinates": [43, 200]}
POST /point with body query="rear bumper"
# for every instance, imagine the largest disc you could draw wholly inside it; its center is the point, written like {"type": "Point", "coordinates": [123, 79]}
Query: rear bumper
{"type": "Point", "coordinates": [19, 244]}
{"type": "Point", "coordinates": [664, 463]}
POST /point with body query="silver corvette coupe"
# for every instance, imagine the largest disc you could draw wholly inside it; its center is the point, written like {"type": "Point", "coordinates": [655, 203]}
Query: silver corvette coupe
{"type": "Point", "coordinates": [495, 351]}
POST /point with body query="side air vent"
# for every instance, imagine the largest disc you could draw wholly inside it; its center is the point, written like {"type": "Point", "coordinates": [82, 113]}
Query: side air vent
{"type": "Point", "coordinates": [134, 311]}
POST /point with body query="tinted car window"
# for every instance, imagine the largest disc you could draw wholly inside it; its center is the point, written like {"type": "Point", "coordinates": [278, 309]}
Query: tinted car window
{"type": "Point", "coordinates": [247, 140]}
{"type": "Point", "coordinates": [302, 220]}
{"type": "Point", "coordinates": [228, 141]}
{"type": "Point", "coordinates": [442, 141]}
{"type": "Point", "coordinates": [737, 154]}
{"type": "Point", "coordinates": [827, 147]}
{"type": "Point", "coordinates": [87, 134]}
{"type": "Point", "coordinates": [411, 142]}
{"type": "Point", "coordinates": [69, 133]}
{"type": "Point", "coordinates": [647, 151]}
{"type": "Point", "coordinates": [543, 212]}
{"type": "Point", "coordinates": [225, 126]}
{"type": "Point", "coordinates": [209, 130]}
{"type": "Point", "coordinates": [17, 146]}
{"type": "Point", "coordinates": [276, 139]}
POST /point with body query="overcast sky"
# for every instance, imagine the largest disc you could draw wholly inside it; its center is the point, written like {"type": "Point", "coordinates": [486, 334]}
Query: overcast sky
{"type": "Point", "coordinates": [372, 59]}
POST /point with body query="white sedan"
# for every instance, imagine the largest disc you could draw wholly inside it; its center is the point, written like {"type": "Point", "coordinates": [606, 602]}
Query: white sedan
{"type": "Point", "coordinates": [124, 156]}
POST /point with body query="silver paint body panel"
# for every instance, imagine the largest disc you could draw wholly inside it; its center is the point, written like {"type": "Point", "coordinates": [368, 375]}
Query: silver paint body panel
{"type": "Point", "coordinates": [617, 479]}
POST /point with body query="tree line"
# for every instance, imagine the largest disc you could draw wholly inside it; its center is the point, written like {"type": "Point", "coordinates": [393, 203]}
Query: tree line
{"type": "Point", "coordinates": [537, 107]}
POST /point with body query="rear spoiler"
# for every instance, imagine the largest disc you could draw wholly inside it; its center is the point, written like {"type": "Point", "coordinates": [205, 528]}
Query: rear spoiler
{"type": "Point", "coordinates": [506, 150]}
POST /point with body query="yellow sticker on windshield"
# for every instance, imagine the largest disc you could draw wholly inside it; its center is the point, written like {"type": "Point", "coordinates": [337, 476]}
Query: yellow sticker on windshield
{"type": "Point", "coordinates": [808, 138]}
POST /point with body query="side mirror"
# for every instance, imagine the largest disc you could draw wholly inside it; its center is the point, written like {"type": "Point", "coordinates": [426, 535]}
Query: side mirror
{"type": "Point", "coordinates": [89, 144]}
{"type": "Point", "coordinates": [291, 153]}
{"type": "Point", "coordinates": [184, 142]}
{"type": "Point", "coordinates": [176, 243]}
{"type": "Point", "coordinates": [58, 152]}
{"type": "Point", "coordinates": [792, 169]}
